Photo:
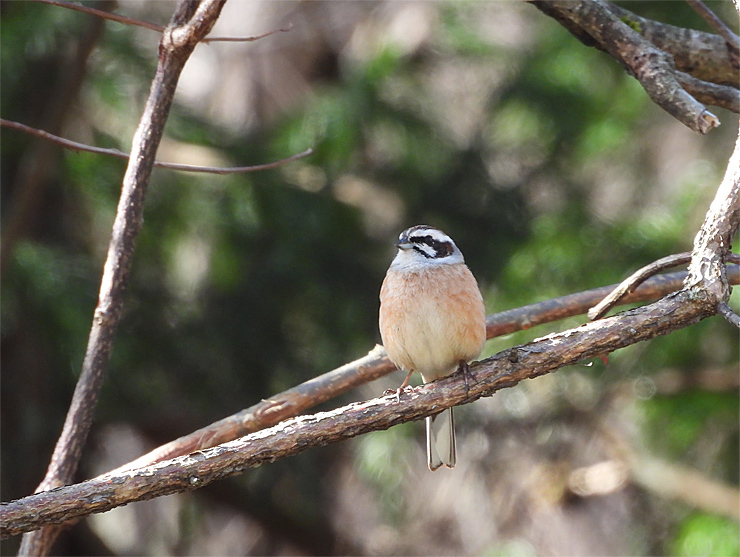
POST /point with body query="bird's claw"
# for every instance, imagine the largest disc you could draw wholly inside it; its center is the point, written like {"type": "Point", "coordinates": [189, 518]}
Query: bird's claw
{"type": "Point", "coordinates": [468, 376]}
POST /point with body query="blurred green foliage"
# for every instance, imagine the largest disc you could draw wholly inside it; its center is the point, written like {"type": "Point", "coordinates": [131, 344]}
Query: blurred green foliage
{"type": "Point", "coordinates": [703, 534]}
{"type": "Point", "coordinates": [245, 285]}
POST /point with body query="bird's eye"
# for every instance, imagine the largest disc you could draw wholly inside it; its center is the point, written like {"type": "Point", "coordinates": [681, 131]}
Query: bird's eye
{"type": "Point", "coordinates": [431, 248]}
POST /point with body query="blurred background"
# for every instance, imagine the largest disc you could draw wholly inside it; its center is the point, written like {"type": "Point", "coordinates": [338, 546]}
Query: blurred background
{"type": "Point", "coordinates": [547, 164]}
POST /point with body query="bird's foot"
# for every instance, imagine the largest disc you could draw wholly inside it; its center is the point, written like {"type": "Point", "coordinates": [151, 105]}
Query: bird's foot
{"type": "Point", "coordinates": [468, 376]}
{"type": "Point", "coordinates": [400, 389]}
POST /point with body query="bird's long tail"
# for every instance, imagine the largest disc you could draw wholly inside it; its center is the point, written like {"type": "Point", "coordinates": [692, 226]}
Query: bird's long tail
{"type": "Point", "coordinates": [441, 440]}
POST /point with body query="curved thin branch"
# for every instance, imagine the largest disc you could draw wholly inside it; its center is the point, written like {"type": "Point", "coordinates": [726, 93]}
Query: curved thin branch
{"type": "Point", "coordinates": [111, 16]}
{"type": "Point", "coordinates": [634, 280]}
{"type": "Point", "coordinates": [726, 311]}
{"type": "Point", "coordinates": [639, 276]}
{"type": "Point", "coordinates": [722, 96]}
{"type": "Point", "coordinates": [295, 435]}
{"type": "Point", "coordinates": [285, 29]}
{"type": "Point", "coordinates": [75, 146]}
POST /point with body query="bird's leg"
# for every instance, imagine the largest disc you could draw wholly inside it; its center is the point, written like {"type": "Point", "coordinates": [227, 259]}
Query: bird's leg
{"type": "Point", "coordinates": [403, 385]}
{"type": "Point", "coordinates": [401, 388]}
{"type": "Point", "coordinates": [464, 368]}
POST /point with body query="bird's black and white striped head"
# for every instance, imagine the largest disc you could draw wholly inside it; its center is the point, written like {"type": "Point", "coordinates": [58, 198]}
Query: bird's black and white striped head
{"type": "Point", "coordinates": [424, 246]}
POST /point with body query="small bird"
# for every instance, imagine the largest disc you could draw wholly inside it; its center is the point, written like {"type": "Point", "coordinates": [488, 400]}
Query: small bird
{"type": "Point", "coordinates": [432, 320]}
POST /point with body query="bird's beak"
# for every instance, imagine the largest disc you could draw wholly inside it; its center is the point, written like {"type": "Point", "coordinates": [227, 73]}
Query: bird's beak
{"type": "Point", "coordinates": [403, 243]}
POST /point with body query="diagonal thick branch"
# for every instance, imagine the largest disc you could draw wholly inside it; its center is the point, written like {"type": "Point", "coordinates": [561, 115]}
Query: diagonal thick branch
{"type": "Point", "coordinates": [191, 22]}
{"type": "Point", "coordinates": [295, 435]}
{"type": "Point", "coordinates": [712, 244]}
{"type": "Point", "coordinates": [375, 364]}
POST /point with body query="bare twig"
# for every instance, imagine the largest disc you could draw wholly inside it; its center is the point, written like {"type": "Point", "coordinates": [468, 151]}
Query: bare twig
{"type": "Point", "coordinates": [285, 29]}
{"type": "Point", "coordinates": [716, 23]}
{"type": "Point", "coordinates": [295, 435]}
{"type": "Point", "coordinates": [104, 15]}
{"type": "Point", "coordinates": [726, 311]}
{"type": "Point", "coordinates": [191, 21]}
{"type": "Point", "coordinates": [722, 96]}
{"type": "Point", "coordinates": [639, 276]}
{"type": "Point", "coordinates": [38, 163]}
{"type": "Point", "coordinates": [634, 280]}
{"type": "Point", "coordinates": [593, 22]}
{"type": "Point", "coordinates": [153, 26]}
{"type": "Point", "coordinates": [235, 169]}
{"type": "Point", "coordinates": [75, 146]}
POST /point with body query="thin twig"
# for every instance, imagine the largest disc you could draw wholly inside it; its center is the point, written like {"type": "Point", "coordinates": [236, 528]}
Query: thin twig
{"type": "Point", "coordinates": [634, 280]}
{"type": "Point", "coordinates": [104, 15]}
{"type": "Point", "coordinates": [716, 23]}
{"type": "Point", "coordinates": [75, 146]}
{"type": "Point", "coordinates": [37, 165]}
{"type": "Point", "coordinates": [285, 29]}
{"type": "Point", "coordinates": [153, 26]}
{"type": "Point", "coordinates": [722, 96]}
{"type": "Point", "coordinates": [640, 276]}
{"type": "Point", "coordinates": [234, 169]}
{"type": "Point", "coordinates": [726, 311]}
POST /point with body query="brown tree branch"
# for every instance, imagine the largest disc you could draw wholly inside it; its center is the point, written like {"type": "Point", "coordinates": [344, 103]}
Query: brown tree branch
{"type": "Point", "coordinates": [595, 24]}
{"type": "Point", "coordinates": [275, 409]}
{"type": "Point", "coordinates": [705, 56]}
{"type": "Point", "coordinates": [191, 21]}
{"type": "Point", "coordinates": [726, 311]}
{"type": "Point", "coordinates": [375, 365]}
{"type": "Point", "coordinates": [722, 96]}
{"type": "Point", "coordinates": [75, 146]}
{"type": "Point", "coordinates": [110, 16]}
{"type": "Point", "coordinates": [295, 435]}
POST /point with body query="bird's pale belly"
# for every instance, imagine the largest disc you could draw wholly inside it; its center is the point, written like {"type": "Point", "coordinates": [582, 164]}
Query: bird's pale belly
{"type": "Point", "coordinates": [430, 341]}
